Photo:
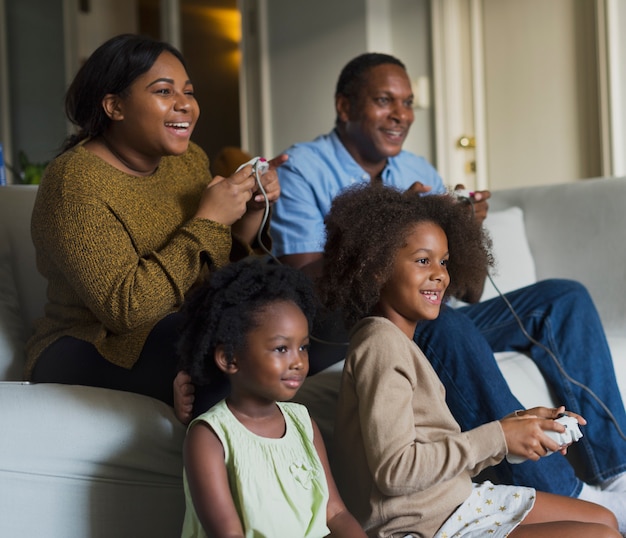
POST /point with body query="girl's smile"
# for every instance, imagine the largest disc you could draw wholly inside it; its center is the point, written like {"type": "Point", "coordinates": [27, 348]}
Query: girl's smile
{"type": "Point", "coordinates": [433, 297]}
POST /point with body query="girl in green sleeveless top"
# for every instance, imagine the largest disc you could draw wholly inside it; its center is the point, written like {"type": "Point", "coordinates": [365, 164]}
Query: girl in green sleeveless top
{"type": "Point", "coordinates": [255, 464]}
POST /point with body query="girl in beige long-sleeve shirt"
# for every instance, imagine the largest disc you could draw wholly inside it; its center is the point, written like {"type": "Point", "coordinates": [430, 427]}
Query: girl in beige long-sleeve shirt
{"type": "Point", "coordinates": [402, 463]}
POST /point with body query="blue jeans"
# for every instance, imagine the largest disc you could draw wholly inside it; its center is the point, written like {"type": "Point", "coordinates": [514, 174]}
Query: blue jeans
{"type": "Point", "coordinates": [560, 314]}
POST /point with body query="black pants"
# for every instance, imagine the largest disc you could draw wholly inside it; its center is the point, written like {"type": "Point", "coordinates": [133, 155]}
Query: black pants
{"type": "Point", "coordinates": [75, 362]}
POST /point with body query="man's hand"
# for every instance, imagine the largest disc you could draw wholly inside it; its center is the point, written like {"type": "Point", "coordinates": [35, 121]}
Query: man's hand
{"type": "Point", "coordinates": [419, 187]}
{"type": "Point", "coordinates": [479, 201]}
{"type": "Point", "coordinates": [278, 160]}
{"type": "Point", "coordinates": [481, 206]}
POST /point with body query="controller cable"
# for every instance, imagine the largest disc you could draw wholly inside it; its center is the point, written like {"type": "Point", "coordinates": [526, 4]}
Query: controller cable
{"type": "Point", "coordinates": [257, 175]}
{"type": "Point", "coordinates": [550, 353]}
{"type": "Point", "coordinates": [256, 170]}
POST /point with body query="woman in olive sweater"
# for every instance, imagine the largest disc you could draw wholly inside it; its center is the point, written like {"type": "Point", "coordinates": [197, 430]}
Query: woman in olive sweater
{"type": "Point", "coordinates": [127, 219]}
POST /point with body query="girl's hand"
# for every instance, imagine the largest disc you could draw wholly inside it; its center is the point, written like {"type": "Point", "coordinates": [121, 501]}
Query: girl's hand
{"type": "Point", "coordinates": [525, 435]}
{"type": "Point", "coordinates": [550, 413]}
{"type": "Point", "coordinates": [225, 199]}
{"type": "Point", "coordinates": [340, 522]}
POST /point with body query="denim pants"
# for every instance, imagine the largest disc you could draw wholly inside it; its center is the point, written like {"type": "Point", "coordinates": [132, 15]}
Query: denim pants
{"type": "Point", "coordinates": [560, 314]}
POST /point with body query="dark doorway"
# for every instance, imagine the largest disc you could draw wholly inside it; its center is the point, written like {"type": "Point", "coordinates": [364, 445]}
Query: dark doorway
{"type": "Point", "coordinates": [210, 41]}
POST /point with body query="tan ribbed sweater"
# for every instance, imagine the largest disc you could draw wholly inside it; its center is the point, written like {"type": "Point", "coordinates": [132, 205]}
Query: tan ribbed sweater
{"type": "Point", "coordinates": [119, 251]}
{"type": "Point", "coordinates": [401, 462]}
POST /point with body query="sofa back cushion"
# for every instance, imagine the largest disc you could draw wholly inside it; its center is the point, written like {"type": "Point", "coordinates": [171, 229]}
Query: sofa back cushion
{"type": "Point", "coordinates": [515, 266]}
{"type": "Point", "coordinates": [16, 207]}
{"type": "Point", "coordinates": [12, 329]}
{"type": "Point", "coordinates": [22, 288]}
{"type": "Point", "coordinates": [576, 231]}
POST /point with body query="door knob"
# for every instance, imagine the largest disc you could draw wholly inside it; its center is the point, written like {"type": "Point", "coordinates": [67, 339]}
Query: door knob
{"type": "Point", "coordinates": [466, 142]}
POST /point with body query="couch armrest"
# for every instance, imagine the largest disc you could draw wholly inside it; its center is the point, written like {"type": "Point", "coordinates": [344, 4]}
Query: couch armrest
{"type": "Point", "coordinates": [86, 461]}
{"type": "Point", "coordinates": [576, 230]}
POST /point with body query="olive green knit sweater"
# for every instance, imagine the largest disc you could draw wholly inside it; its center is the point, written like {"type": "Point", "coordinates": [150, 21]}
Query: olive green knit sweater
{"type": "Point", "coordinates": [119, 251]}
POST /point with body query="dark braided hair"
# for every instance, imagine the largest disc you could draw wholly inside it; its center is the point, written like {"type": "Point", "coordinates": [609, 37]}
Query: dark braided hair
{"type": "Point", "coordinates": [367, 225]}
{"type": "Point", "coordinates": [223, 310]}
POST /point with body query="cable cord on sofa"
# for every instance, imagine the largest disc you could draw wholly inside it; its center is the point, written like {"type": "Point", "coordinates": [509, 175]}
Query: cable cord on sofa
{"type": "Point", "coordinates": [556, 361]}
{"type": "Point", "coordinates": [550, 353]}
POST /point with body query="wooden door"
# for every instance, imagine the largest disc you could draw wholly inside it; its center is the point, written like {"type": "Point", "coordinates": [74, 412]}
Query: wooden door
{"type": "Point", "coordinates": [522, 80]}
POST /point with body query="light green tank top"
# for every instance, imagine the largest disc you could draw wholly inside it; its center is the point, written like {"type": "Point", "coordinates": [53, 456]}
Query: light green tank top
{"type": "Point", "coordinates": [278, 485]}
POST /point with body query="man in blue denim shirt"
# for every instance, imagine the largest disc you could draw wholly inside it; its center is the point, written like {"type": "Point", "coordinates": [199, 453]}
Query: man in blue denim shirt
{"type": "Point", "coordinates": [373, 102]}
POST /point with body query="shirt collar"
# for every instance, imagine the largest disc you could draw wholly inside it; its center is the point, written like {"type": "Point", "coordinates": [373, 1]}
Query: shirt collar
{"type": "Point", "coordinates": [351, 166]}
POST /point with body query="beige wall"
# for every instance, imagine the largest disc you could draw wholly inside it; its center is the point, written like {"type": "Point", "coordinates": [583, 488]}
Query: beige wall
{"type": "Point", "coordinates": [307, 49]}
{"type": "Point", "coordinates": [105, 19]}
{"type": "Point", "coordinates": [541, 92]}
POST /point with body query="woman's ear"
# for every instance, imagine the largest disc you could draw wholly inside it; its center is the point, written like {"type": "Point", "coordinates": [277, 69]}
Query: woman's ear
{"type": "Point", "coordinates": [226, 364]}
{"type": "Point", "coordinates": [111, 104]}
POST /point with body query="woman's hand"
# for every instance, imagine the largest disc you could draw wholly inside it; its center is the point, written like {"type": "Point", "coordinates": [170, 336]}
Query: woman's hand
{"type": "Point", "coordinates": [184, 396]}
{"type": "Point", "coordinates": [225, 199]}
{"type": "Point", "coordinates": [247, 226]}
{"type": "Point", "coordinates": [270, 183]}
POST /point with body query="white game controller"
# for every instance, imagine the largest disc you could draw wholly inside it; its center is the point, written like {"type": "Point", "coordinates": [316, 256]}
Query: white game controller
{"type": "Point", "coordinates": [462, 194]}
{"type": "Point", "coordinates": [259, 165]}
{"type": "Point", "coordinates": [571, 434]}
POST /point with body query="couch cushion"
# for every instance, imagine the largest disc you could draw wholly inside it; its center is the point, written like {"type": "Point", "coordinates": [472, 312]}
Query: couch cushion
{"type": "Point", "coordinates": [515, 267]}
{"type": "Point", "coordinates": [319, 394]}
{"type": "Point", "coordinates": [113, 457]}
{"type": "Point", "coordinates": [12, 330]}
{"type": "Point", "coordinates": [570, 227]}
{"type": "Point", "coordinates": [16, 206]}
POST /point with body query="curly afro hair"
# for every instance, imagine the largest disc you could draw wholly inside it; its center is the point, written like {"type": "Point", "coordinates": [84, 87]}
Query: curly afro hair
{"type": "Point", "coordinates": [223, 310]}
{"type": "Point", "coordinates": [367, 225]}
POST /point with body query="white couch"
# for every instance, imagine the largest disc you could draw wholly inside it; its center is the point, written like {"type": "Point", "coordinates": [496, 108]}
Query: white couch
{"type": "Point", "coordinates": [86, 462]}
{"type": "Point", "coordinates": [75, 461]}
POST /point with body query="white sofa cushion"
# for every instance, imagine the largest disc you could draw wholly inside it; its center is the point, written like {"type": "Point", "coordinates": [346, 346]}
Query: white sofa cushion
{"type": "Point", "coordinates": [88, 462]}
{"type": "Point", "coordinates": [515, 267]}
{"type": "Point", "coordinates": [12, 331]}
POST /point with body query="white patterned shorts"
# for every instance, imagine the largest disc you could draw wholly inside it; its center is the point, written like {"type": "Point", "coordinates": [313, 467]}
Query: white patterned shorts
{"type": "Point", "coordinates": [490, 510]}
